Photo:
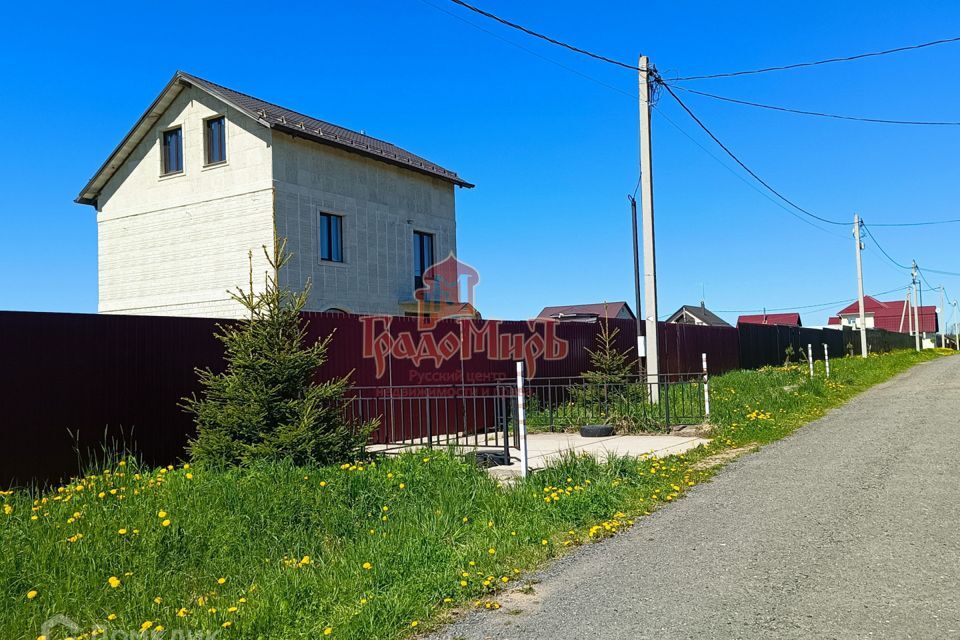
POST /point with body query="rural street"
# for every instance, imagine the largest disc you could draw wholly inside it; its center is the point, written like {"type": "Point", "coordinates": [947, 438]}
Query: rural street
{"type": "Point", "coordinates": [850, 528]}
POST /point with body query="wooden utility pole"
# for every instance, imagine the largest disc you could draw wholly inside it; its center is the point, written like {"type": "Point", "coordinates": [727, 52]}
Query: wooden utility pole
{"type": "Point", "coordinates": [863, 315]}
{"type": "Point", "coordinates": [649, 246]}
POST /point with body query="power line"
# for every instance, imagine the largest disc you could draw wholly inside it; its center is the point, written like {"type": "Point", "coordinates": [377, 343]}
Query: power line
{"type": "Point", "coordinates": [819, 114]}
{"type": "Point", "coordinates": [809, 306]}
{"type": "Point", "coordinates": [915, 224]}
{"type": "Point", "coordinates": [882, 250]}
{"type": "Point", "coordinates": [739, 161]}
{"type": "Point", "coordinates": [744, 180]}
{"type": "Point", "coordinates": [798, 65]}
{"type": "Point", "coordinates": [531, 32]}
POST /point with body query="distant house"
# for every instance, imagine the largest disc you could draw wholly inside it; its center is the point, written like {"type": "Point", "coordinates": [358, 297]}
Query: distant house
{"type": "Point", "coordinates": [894, 316]}
{"type": "Point", "coordinates": [780, 319]}
{"type": "Point", "coordinates": [689, 314]}
{"type": "Point", "coordinates": [209, 175]}
{"type": "Point", "coordinates": [588, 312]}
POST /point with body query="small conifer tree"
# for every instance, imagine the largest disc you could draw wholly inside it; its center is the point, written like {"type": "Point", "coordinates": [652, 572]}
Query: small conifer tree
{"type": "Point", "coordinates": [266, 404]}
{"type": "Point", "coordinates": [608, 364]}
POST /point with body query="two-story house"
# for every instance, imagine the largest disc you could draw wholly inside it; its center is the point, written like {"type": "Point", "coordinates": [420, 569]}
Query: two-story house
{"type": "Point", "coordinates": [209, 174]}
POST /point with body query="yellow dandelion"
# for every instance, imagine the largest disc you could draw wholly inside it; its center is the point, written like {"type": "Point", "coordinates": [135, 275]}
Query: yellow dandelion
{"type": "Point", "coordinates": [165, 523]}
{"type": "Point", "coordinates": [367, 566]}
{"type": "Point", "coordinates": [122, 532]}
{"type": "Point", "coordinates": [31, 594]}
{"type": "Point", "coordinates": [113, 581]}
{"type": "Point", "coordinates": [221, 580]}
{"type": "Point", "coordinates": [161, 514]}
{"type": "Point", "coordinates": [328, 631]}
{"type": "Point", "coordinates": [227, 624]}
{"type": "Point", "coordinates": [112, 617]}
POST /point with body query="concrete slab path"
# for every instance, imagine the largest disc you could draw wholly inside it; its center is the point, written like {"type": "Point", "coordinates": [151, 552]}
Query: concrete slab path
{"type": "Point", "coordinates": [850, 528]}
{"type": "Point", "coordinates": [545, 447]}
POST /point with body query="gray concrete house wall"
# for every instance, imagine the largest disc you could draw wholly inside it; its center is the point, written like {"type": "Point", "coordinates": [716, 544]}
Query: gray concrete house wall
{"type": "Point", "coordinates": [175, 244]}
{"type": "Point", "coordinates": [381, 205]}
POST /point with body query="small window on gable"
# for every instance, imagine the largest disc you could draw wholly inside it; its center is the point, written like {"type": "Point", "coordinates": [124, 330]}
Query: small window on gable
{"type": "Point", "coordinates": [331, 237]}
{"type": "Point", "coordinates": [215, 140]}
{"type": "Point", "coordinates": [172, 151]}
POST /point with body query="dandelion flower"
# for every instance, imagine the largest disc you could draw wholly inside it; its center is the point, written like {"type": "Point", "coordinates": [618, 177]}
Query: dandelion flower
{"type": "Point", "coordinates": [227, 624]}
{"type": "Point", "coordinates": [157, 600]}
{"type": "Point", "coordinates": [165, 523]}
{"type": "Point", "coordinates": [162, 514]}
{"type": "Point", "coordinates": [367, 566]}
{"type": "Point", "coordinates": [415, 622]}
{"type": "Point", "coordinates": [492, 551]}
{"type": "Point", "coordinates": [122, 532]}
{"type": "Point", "coordinates": [31, 594]}
{"type": "Point", "coordinates": [328, 631]}
{"type": "Point", "coordinates": [112, 617]}
{"type": "Point", "coordinates": [113, 581]}
{"type": "Point", "coordinates": [221, 580]}
{"type": "Point", "coordinates": [146, 625]}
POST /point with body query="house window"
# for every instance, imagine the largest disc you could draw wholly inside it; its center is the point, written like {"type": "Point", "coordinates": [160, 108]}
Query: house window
{"type": "Point", "coordinates": [173, 151]}
{"type": "Point", "coordinates": [422, 256]}
{"type": "Point", "coordinates": [215, 140]}
{"type": "Point", "coordinates": [331, 237]}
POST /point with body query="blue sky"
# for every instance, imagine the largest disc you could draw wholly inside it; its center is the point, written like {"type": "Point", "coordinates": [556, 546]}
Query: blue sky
{"type": "Point", "coordinates": [549, 137]}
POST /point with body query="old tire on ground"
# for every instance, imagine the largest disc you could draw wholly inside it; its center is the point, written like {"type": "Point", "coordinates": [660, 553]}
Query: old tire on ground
{"type": "Point", "coordinates": [596, 430]}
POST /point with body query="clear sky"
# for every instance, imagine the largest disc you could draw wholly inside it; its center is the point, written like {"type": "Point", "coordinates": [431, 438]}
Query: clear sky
{"type": "Point", "coordinates": [549, 137]}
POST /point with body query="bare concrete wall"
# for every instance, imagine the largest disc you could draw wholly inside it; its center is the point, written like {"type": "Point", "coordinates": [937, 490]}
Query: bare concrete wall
{"type": "Point", "coordinates": [173, 245]}
{"type": "Point", "coordinates": [381, 206]}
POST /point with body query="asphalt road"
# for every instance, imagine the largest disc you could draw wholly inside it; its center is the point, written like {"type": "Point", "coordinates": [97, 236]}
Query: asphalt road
{"type": "Point", "coordinates": [850, 528]}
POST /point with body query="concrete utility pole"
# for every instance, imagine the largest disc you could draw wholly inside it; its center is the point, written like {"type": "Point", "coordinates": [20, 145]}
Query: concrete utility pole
{"type": "Point", "coordinates": [649, 251]}
{"type": "Point", "coordinates": [863, 315]}
{"type": "Point", "coordinates": [943, 329]}
{"type": "Point", "coordinates": [956, 327]}
{"type": "Point", "coordinates": [916, 311]}
{"type": "Point", "coordinates": [636, 279]}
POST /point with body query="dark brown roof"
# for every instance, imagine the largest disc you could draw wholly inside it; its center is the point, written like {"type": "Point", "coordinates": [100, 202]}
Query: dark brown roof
{"type": "Point", "coordinates": [599, 309]}
{"type": "Point", "coordinates": [701, 313]}
{"type": "Point", "coordinates": [269, 115]}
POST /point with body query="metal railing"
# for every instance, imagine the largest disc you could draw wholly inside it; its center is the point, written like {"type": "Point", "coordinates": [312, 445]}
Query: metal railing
{"type": "Point", "coordinates": [484, 417]}
{"type": "Point", "coordinates": [631, 403]}
{"type": "Point", "coordinates": [468, 416]}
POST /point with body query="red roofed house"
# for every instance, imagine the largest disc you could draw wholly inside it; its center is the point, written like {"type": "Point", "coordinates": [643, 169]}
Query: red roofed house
{"type": "Point", "coordinates": [783, 319]}
{"type": "Point", "coordinates": [896, 316]}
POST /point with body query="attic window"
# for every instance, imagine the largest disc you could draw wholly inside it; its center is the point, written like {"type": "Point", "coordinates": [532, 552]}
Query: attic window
{"type": "Point", "coordinates": [215, 140]}
{"type": "Point", "coordinates": [172, 153]}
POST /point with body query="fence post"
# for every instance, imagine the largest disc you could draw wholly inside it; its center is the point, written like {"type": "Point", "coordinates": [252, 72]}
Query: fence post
{"type": "Point", "coordinates": [706, 390]}
{"type": "Point", "coordinates": [826, 358]}
{"type": "Point", "coordinates": [810, 357]}
{"type": "Point", "coordinates": [521, 422]}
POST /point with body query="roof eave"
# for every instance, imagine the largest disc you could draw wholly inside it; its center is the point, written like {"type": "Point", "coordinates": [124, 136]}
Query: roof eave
{"type": "Point", "coordinates": [297, 132]}
{"type": "Point", "coordinates": [91, 190]}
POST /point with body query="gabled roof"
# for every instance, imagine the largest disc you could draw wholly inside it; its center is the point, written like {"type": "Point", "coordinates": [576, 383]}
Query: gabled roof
{"type": "Point", "coordinates": [268, 115]}
{"type": "Point", "coordinates": [597, 310]}
{"type": "Point", "coordinates": [892, 316]}
{"type": "Point", "coordinates": [701, 313]}
{"type": "Point", "coordinates": [785, 319]}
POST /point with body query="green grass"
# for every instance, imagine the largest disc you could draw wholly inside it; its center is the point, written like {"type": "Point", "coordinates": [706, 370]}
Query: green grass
{"type": "Point", "coordinates": [292, 543]}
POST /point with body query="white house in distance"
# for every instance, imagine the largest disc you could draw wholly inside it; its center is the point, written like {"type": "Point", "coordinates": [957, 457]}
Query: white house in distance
{"type": "Point", "coordinates": [209, 174]}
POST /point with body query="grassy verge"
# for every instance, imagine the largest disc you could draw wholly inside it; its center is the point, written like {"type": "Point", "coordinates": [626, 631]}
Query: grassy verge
{"type": "Point", "coordinates": [371, 550]}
